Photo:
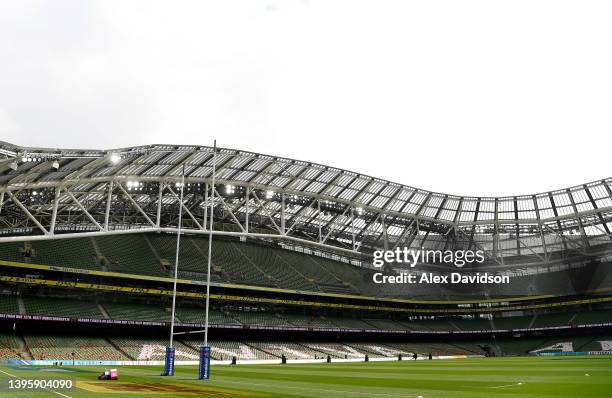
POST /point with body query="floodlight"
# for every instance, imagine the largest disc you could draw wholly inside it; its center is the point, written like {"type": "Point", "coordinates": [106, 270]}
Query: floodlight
{"type": "Point", "coordinates": [115, 158]}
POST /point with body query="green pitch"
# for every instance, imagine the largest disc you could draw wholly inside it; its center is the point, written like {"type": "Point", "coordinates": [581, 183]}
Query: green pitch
{"type": "Point", "coordinates": [465, 378]}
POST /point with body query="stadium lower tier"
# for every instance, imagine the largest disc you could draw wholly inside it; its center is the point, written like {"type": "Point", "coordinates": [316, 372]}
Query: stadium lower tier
{"type": "Point", "coordinates": [66, 348]}
{"type": "Point", "coordinates": [253, 316]}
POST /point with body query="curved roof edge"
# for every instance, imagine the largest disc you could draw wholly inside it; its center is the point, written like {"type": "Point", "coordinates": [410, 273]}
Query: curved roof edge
{"type": "Point", "coordinates": [18, 151]}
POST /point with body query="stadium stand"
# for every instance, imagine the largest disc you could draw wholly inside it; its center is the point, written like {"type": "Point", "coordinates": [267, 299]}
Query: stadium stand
{"type": "Point", "coordinates": [241, 350]}
{"type": "Point", "coordinates": [257, 318]}
{"type": "Point", "coordinates": [511, 323]}
{"type": "Point", "coordinates": [592, 317]}
{"type": "Point", "coordinates": [303, 293]}
{"type": "Point", "coordinates": [61, 307]}
{"type": "Point", "coordinates": [8, 304]}
{"type": "Point", "coordinates": [547, 320]}
{"type": "Point", "coordinates": [197, 315]}
{"type": "Point", "coordinates": [131, 254]}
{"type": "Point", "coordinates": [138, 312]}
{"type": "Point", "coordinates": [67, 348]}
{"type": "Point", "coordinates": [151, 349]}
{"type": "Point", "coordinates": [9, 347]}
{"type": "Point", "coordinates": [311, 321]}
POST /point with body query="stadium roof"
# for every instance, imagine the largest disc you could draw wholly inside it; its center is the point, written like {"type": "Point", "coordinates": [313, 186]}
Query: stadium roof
{"type": "Point", "coordinates": [47, 193]}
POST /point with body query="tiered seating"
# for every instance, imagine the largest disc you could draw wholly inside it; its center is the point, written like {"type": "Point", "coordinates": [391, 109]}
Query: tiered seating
{"type": "Point", "coordinates": [258, 318]}
{"type": "Point", "coordinates": [61, 307]}
{"type": "Point", "coordinates": [139, 312]}
{"type": "Point", "coordinates": [152, 349]}
{"type": "Point", "coordinates": [575, 343]}
{"type": "Point", "coordinates": [273, 264]}
{"type": "Point", "coordinates": [447, 349]}
{"type": "Point", "coordinates": [323, 279]}
{"type": "Point", "coordinates": [547, 320]}
{"type": "Point", "coordinates": [430, 348]}
{"type": "Point", "coordinates": [351, 323]}
{"type": "Point", "coordinates": [71, 253]}
{"type": "Point", "coordinates": [9, 348]}
{"type": "Point", "coordinates": [336, 350]}
{"type": "Point", "coordinates": [385, 324]}
{"type": "Point", "coordinates": [471, 324]}
{"type": "Point", "coordinates": [598, 343]}
{"type": "Point", "coordinates": [376, 350]}
{"type": "Point", "coordinates": [290, 350]}
{"type": "Point", "coordinates": [309, 321]}
{"type": "Point", "coordinates": [62, 348]}
{"type": "Point", "coordinates": [590, 317]}
{"type": "Point", "coordinates": [191, 259]}
{"type": "Point", "coordinates": [350, 276]}
{"type": "Point", "coordinates": [225, 350]}
{"type": "Point", "coordinates": [512, 323]}
{"type": "Point", "coordinates": [129, 254]}
{"type": "Point", "coordinates": [519, 346]}
{"type": "Point", "coordinates": [427, 325]}
{"type": "Point", "coordinates": [408, 348]}
{"type": "Point", "coordinates": [8, 304]}
{"type": "Point", "coordinates": [198, 315]}
{"type": "Point", "coordinates": [232, 263]}
{"type": "Point", "coordinates": [10, 251]}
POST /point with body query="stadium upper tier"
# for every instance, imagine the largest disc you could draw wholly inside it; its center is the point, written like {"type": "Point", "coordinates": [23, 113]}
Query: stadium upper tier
{"type": "Point", "coordinates": [50, 193]}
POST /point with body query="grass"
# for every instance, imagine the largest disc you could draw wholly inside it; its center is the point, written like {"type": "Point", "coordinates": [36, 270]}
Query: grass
{"type": "Point", "coordinates": [473, 378]}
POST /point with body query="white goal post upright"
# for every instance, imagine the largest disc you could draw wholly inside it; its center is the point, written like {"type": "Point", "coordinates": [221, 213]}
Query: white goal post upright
{"type": "Point", "coordinates": [170, 350]}
{"type": "Point", "coordinates": [210, 234]}
{"type": "Point", "coordinates": [204, 371]}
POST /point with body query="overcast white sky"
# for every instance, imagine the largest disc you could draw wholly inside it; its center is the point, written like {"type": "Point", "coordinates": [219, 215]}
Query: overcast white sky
{"type": "Point", "coordinates": [463, 97]}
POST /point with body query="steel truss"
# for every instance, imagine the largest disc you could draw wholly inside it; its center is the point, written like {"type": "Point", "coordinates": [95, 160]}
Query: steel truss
{"type": "Point", "coordinates": [58, 194]}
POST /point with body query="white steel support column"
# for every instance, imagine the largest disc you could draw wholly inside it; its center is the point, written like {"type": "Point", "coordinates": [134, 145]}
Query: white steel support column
{"type": "Point", "coordinates": [54, 213]}
{"type": "Point", "coordinates": [247, 210]}
{"type": "Point", "coordinates": [283, 214]}
{"type": "Point", "coordinates": [109, 200]}
{"type": "Point", "coordinates": [319, 217]}
{"type": "Point", "coordinates": [353, 226]}
{"type": "Point", "coordinates": [160, 197]}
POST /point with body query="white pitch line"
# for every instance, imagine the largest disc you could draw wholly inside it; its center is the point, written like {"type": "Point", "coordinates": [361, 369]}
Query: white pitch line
{"type": "Point", "coordinates": [45, 388]}
{"type": "Point", "coordinates": [508, 385]}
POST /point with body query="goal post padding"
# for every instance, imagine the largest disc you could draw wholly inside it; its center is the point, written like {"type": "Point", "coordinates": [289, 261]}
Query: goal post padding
{"type": "Point", "coordinates": [204, 363]}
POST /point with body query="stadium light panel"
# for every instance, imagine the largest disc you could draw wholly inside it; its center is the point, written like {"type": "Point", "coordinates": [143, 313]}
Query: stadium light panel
{"type": "Point", "coordinates": [115, 158]}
